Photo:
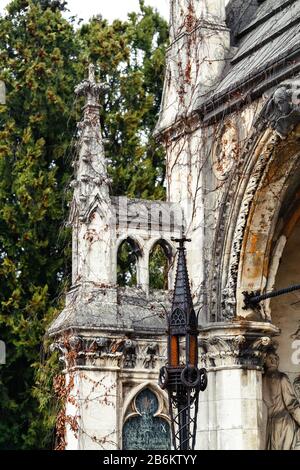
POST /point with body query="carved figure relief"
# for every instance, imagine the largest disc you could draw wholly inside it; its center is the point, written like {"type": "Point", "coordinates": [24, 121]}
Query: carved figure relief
{"type": "Point", "coordinates": [129, 351]}
{"type": "Point", "coordinates": [226, 149]}
{"type": "Point", "coordinates": [297, 390]}
{"type": "Point", "coordinates": [283, 406]}
{"type": "Point", "coordinates": [281, 112]}
{"type": "Point", "coordinates": [151, 356]}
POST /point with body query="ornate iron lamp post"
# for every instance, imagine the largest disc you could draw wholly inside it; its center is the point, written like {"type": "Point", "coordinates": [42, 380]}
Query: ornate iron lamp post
{"type": "Point", "coordinates": [181, 377]}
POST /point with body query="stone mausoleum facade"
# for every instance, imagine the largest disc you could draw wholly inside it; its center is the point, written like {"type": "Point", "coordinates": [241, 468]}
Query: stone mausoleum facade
{"type": "Point", "coordinates": [230, 125]}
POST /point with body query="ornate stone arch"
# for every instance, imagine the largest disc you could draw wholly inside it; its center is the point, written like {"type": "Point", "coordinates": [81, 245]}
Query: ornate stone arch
{"type": "Point", "coordinates": [136, 245]}
{"type": "Point", "coordinates": [135, 241]}
{"type": "Point", "coordinates": [95, 210]}
{"type": "Point", "coordinates": [163, 398]}
{"type": "Point", "coordinates": [165, 244]}
{"type": "Point", "coordinates": [153, 417]}
{"type": "Point", "coordinates": [274, 127]}
{"type": "Point", "coordinates": [249, 242]}
{"type": "Point", "coordinates": [169, 252]}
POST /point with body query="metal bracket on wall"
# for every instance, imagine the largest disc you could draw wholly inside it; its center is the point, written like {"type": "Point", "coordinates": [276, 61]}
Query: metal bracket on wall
{"type": "Point", "coordinates": [253, 299]}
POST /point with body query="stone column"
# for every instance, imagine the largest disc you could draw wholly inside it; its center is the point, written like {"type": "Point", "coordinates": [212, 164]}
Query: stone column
{"type": "Point", "coordinates": [143, 271]}
{"type": "Point", "coordinates": [231, 411]}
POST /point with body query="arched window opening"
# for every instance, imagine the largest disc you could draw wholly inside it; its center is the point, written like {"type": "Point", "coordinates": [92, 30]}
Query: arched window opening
{"type": "Point", "coordinates": [159, 265]}
{"type": "Point", "coordinates": [144, 430]}
{"type": "Point", "coordinates": [128, 253]}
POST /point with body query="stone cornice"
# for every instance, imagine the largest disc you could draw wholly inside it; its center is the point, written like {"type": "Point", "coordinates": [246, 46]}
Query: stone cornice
{"type": "Point", "coordinates": [107, 352]}
{"type": "Point", "coordinates": [240, 344]}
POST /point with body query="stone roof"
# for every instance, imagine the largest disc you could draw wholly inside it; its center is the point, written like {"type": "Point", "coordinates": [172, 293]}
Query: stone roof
{"type": "Point", "coordinates": [267, 51]}
{"type": "Point", "coordinates": [93, 307]}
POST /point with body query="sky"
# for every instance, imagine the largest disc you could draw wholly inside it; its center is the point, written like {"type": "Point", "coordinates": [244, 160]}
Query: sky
{"type": "Point", "coordinates": [110, 9]}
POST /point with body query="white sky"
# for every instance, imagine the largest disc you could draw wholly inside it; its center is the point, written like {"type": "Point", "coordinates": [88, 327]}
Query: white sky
{"type": "Point", "coordinates": [110, 9]}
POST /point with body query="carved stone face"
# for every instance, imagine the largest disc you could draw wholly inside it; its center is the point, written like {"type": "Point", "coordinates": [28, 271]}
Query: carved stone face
{"type": "Point", "coordinates": [282, 100]}
{"type": "Point", "coordinates": [225, 150]}
{"type": "Point", "coordinates": [297, 387]}
{"type": "Point", "coordinates": [272, 362]}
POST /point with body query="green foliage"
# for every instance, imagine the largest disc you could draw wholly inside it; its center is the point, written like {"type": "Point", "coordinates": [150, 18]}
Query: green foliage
{"type": "Point", "coordinates": [126, 265]}
{"type": "Point", "coordinates": [158, 268]}
{"type": "Point", "coordinates": [42, 57]}
{"type": "Point", "coordinates": [37, 51]}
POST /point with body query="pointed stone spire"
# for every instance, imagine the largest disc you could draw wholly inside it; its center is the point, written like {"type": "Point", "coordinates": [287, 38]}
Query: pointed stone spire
{"type": "Point", "coordinates": [182, 293]}
{"type": "Point", "coordinates": [91, 90]}
{"type": "Point", "coordinates": [91, 184]}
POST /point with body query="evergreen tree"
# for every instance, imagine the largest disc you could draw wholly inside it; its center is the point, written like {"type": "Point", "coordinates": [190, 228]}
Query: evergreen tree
{"type": "Point", "coordinates": [38, 58]}
{"type": "Point", "coordinates": [42, 57]}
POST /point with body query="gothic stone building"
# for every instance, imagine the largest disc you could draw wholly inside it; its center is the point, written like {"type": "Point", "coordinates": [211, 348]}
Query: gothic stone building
{"type": "Point", "coordinates": [230, 124]}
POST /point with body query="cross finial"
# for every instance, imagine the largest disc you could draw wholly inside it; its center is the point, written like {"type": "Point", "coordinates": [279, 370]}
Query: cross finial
{"type": "Point", "coordinates": [90, 88]}
{"type": "Point", "coordinates": [181, 241]}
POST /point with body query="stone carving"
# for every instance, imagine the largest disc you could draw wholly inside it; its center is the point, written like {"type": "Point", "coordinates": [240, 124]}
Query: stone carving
{"type": "Point", "coordinates": [297, 391]}
{"type": "Point", "coordinates": [90, 87]}
{"type": "Point", "coordinates": [262, 343]}
{"type": "Point", "coordinates": [283, 423]}
{"type": "Point", "coordinates": [100, 345]}
{"type": "Point", "coordinates": [229, 293]}
{"type": "Point", "coordinates": [151, 356]}
{"type": "Point", "coordinates": [75, 343]}
{"type": "Point", "coordinates": [278, 109]}
{"type": "Point", "coordinates": [91, 185]}
{"type": "Point", "coordinates": [296, 335]}
{"type": "Point", "coordinates": [225, 310]}
{"type": "Point", "coordinates": [76, 349]}
{"type": "Point", "coordinates": [226, 150]}
{"type": "Point", "coordinates": [281, 112]}
{"type": "Point", "coordinates": [61, 348]}
{"type": "Point", "coordinates": [212, 284]}
{"type": "Point", "coordinates": [238, 350]}
{"type": "Point", "coordinates": [129, 352]}
{"type": "Point", "coordinates": [297, 386]}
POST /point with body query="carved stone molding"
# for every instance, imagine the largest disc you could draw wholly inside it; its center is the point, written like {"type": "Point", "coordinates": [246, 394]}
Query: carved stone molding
{"type": "Point", "coordinates": [80, 351]}
{"type": "Point", "coordinates": [236, 345]}
{"type": "Point", "coordinates": [222, 301]}
{"type": "Point", "coordinates": [104, 351]}
{"type": "Point", "coordinates": [281, 113]}
{"type": "Point", "coordinates": [130, 353]}
{"type": "Point", "coordinates": [238, 350]}
{"type": "Point", "coordinates": [229, 293]}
